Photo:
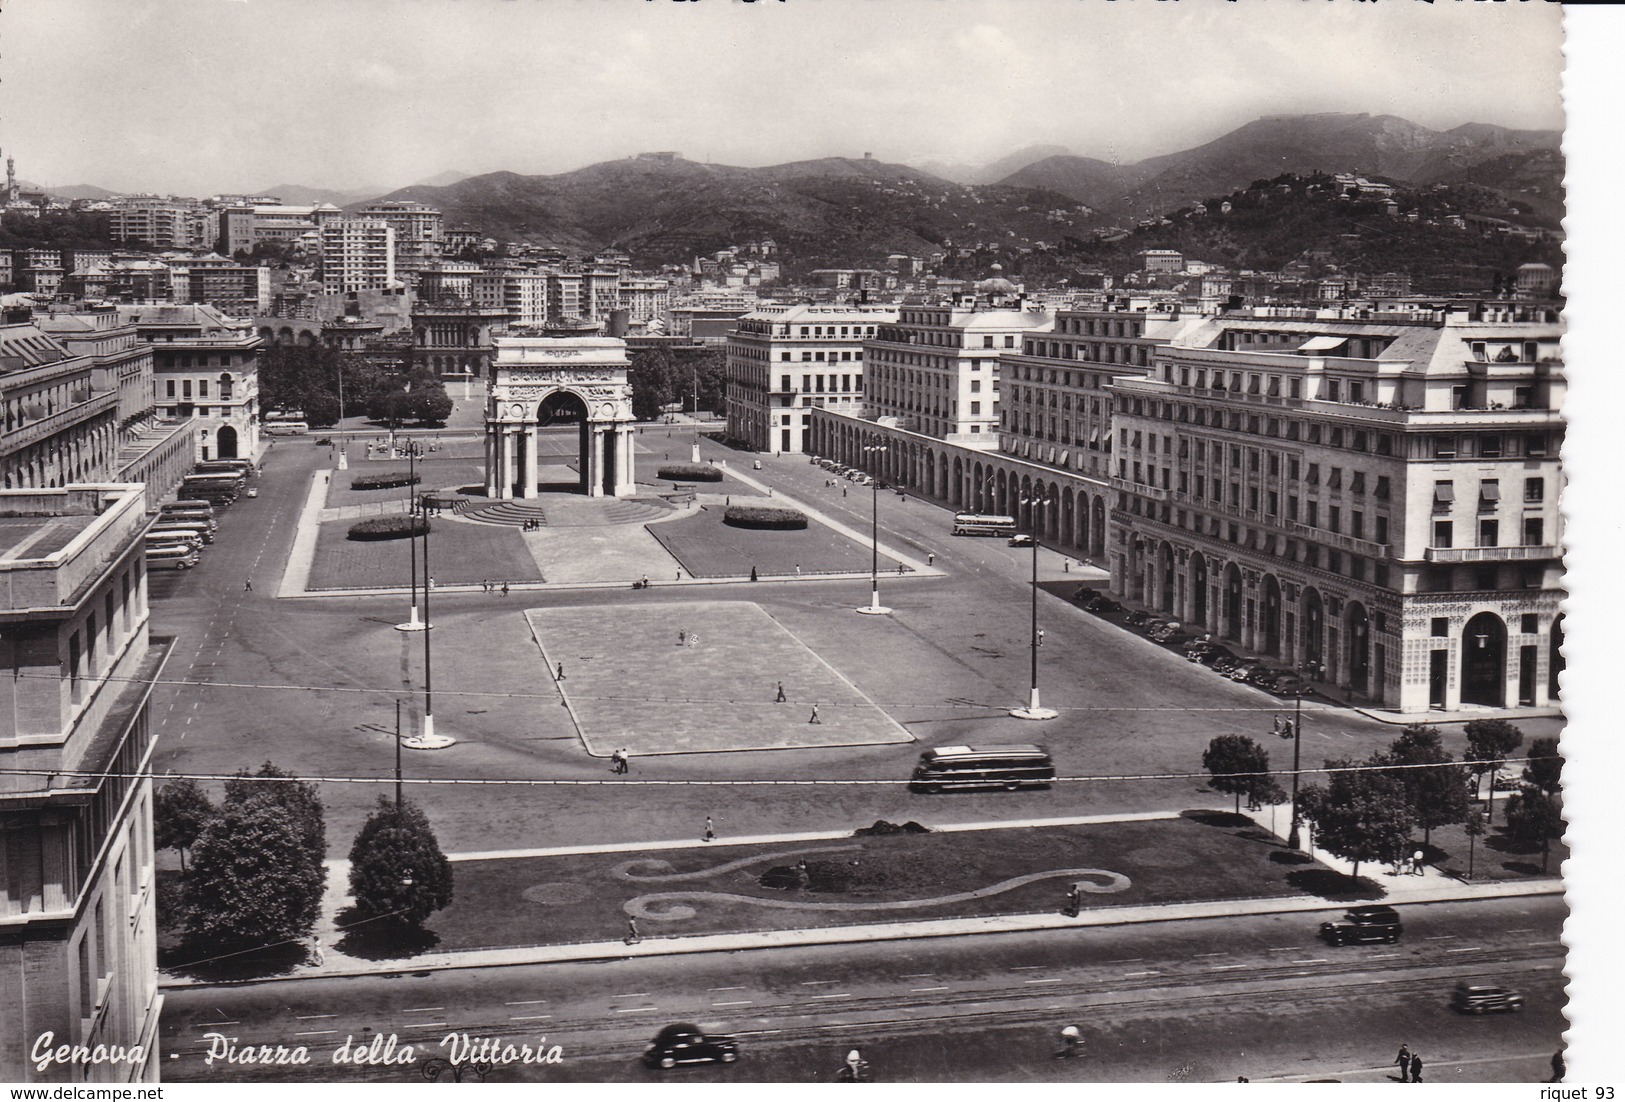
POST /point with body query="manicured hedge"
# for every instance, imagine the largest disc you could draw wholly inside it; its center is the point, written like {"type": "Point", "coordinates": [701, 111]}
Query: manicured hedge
{"type": "Point", "coordinates": [384, 480]}
{"type": "Point", "coordinates": [773, 517]}
{"type": "Point", "coordinates": [388, 528]}
{"type": "Point", "coordinates": [690, 472]}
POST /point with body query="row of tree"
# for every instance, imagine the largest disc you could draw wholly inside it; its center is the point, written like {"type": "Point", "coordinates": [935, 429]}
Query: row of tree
{"type": "Point", "coordinates": [256, 875]}
{"type": "Point", "coordinates": [326, 383]}
{"type": "Point", "coordinates": [1367, 810]}
{"type": "Point", "coordinates": [663, 377]}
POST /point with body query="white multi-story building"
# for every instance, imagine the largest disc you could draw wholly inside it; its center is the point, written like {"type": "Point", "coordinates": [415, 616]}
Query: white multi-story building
{"type": "Point", "coordinates": [785, 361]}
{"type": "Point", "coordinates": [420, 231]}
{"type": "Point", "coordinates": [78, 932]}
{"type": "Point", "coordinates": [358, 254]}
{"type": "Point", "coordinates": [205, 366]}
{"type": "Point", "coordinates": [1375, 498]}
{"type": "Point", "coordinates": [936, 369]}
{"type": "Point", "coordinates": [162, 223]}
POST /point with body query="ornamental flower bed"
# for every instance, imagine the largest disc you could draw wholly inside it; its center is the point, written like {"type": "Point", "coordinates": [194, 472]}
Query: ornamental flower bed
{"type": "Point", "coordinates": [384, 480]}
{"type": "Point", "coordinates": [388, 528]}
{"type": "Point", "coordinates": [690, 472]}
{"type": "Point", "coordinates": [772, 517]}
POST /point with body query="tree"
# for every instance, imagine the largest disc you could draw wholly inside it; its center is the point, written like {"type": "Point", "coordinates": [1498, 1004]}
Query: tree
{"type": "Point", "coordinates": [1545, 768]}
{"type": "Point", "coordinates": [254, 882]}
{"type": "Point", "coordinates": [1533, 816]}
{"type": "Point", "coordinates": [1437, 797]}
{"type": "Point", "coordinates": [299, 801]}
{"type": "Point", "coordinates": [180, 811]}
{"type": "Point", "coordinates": [1361, 815]}
{"type": "Point", "coordinates": [1489, 741]}
{"type": "Point", "coordinates": [398, 873]}
{"type": "Point", "coordinates": [1474, 828]}
{"type": "Point", "coordinates": [1239, 765]}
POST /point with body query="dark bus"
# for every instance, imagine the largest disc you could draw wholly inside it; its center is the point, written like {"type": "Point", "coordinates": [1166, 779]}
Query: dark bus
{"type": "Point", "coordinates": [1007, 767]}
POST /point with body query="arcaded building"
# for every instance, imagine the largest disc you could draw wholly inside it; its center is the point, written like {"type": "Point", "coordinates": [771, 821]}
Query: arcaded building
{"type": "Point", "coordinates": [1374, 497]}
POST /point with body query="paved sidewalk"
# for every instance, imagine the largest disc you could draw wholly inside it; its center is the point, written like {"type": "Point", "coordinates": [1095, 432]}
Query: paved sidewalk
{"type": "Point", "coordinates": [1433, 888]}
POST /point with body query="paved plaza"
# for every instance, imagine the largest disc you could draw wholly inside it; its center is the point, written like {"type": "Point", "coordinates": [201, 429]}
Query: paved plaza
{"type": "Point", "coordinates": [700, 677]}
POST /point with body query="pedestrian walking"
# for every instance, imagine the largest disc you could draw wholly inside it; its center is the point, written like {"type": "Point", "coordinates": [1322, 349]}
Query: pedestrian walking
{"type": "Point", "coordinates": [1066, 566]}
{"type": "Point", "coordinates": [431, 581]}
{"type": "Point", "coordinates": [682, 637]}
{"type": "Point", "coordinates": [753, 574]}
{"type": "Point", "coordinates": [1418, 863]}
{"type": "Point", "coordinates": [316, 952]}
{"type": "Point", "coordinates": [710, 831]}
{"type": "Point", "coordinates": [1403, 1062]}
{"type": "Point", "coordinates": [1074, 901]}
{"type": "Point", "coordinates": [855, 1069]}
{"type": "Point", "coordinates": [798, 570]}
{"type": "Point", "coordinates": [780, 698]}
{"type": "Point", "coordinates": [679, 573]}
{"type": "Point", "coordinates": [504, 589]}
{"type": "Point", "coordinates": [558, 674]}
{"type": "Point", "coordinates": [843, 491]}
{"type": "Point", "coordinates": [814, 717]}
{"type": "Point", "coordinates": [930, 558]}
{"type": "Point", "coordinates": [248, 585]}
{"type": "Point", "coordinates": [1416, 1068]}
{"type": "Point", "coordinates": [632, 935]}
{"type": "Point", "coordinates": [1071, 1042]}
{"type": "Point", "coordinates": [899, 568]}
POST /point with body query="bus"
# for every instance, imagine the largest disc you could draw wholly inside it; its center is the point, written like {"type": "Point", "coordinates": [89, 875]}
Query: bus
{"type": "Point", "coordinates": [285, 428]}
{"type": "Point", "coordinates": [1007, 767]}
{"type": "Point", "coordinates": [215, 493]}
{"type": "Point", "coordinates": [243, 467]}
{"type": "Point", "coordinates": [171, 558]}
{"type": "Point", "coordinates": [982, 524]}
{"type": "Point", "coordinates": [196, 512]}
{"type": "Point", "coordinates": [168, 526]}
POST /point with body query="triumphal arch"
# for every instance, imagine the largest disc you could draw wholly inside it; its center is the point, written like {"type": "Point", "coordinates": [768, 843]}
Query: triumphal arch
{"type": "Point", "coordinates": [545, 382]}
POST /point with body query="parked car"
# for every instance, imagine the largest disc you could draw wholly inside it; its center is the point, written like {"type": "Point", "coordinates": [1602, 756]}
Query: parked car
{"type": "Point", "coordinates": [1474, 998]}
{"type": "Point", "coordinates": [1166, 631]}
{"type": "Point", "coordinates": [684, 1043]}
{"type": "Point", "coordinates": [1287, 683]}
{"type": "Point", "coordinates": [1198, 649]}
{"type": "Point", "coordinates": [1020, 539]}
{"type": "Point", "coordinates": [1243, 670]}
{"type": "Point", "coordinates": [1138, 618]}
{"type": "Point", "coordinates": [1223, 660]}
{"type": "Point", "coordinates": [1084, 595]}
{"type": "Point", "coordinates": [1264, 677]}
{"type": "Point", "coordinates": [1103, 606]}
{"type": "Point", "coordinates": [1364, 924]}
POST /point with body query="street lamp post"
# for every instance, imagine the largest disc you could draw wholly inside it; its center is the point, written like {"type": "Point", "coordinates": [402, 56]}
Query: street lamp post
{"type": "Point", "coordinates": [428, 669]}
{"type": "Point", "coordinates": [874, 607]}
{"type": "Point", "coordinates": [414, 624]}
{"type": "Point", "coordinates": [1034, 709]}
{"type": "Point", "coordinates": [1294, 836]}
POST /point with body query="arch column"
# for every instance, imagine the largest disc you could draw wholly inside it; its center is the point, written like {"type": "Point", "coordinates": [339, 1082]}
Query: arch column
{"type": "Point", "coordinates": [529, 436]}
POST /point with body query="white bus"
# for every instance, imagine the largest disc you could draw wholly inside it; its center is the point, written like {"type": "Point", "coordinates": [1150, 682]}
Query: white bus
{"type": "Point", "coordinates": [285, 428]}
{"type": "Point", "coordinates": [171, 558]}
{"type": "Point", "coordinates": [983, 524]}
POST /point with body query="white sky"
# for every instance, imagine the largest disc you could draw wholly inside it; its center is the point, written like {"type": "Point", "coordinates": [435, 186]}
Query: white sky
{"type": "Point", "coordinates": [199, 96]}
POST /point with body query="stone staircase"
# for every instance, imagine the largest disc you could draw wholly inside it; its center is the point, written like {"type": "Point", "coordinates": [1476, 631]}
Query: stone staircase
{"type": "Point", "coordinates": [567, 511]}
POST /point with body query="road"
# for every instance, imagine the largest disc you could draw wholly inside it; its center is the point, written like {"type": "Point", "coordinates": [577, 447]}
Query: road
{"type": "Point", "coordinates": [947, 665]}
{"type": "Point", "coordinates": [1200, 1001]}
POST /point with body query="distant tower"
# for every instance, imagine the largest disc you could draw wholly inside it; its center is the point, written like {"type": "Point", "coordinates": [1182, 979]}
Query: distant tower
{"type": "Point", "coordinates": [11, 180]}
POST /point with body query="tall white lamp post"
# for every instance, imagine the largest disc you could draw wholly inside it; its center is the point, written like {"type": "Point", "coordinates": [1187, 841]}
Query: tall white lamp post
{"type": "Point", "coordinates": [874, 607]}
{"type": "Point", "coordinates": [1034, 709]}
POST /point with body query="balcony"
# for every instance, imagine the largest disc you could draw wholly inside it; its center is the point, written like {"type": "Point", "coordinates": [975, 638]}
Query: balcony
{"type": "Point", "coordinates": [1492, 554]}
{"type": "Point", "coordinates": [46, 427]}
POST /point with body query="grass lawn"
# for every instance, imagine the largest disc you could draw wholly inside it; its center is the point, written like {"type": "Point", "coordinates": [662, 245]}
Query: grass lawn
{"type": "Point", "coordinates": [434, 474]}
{"type": "Point", "coordinates": [458, 554]}
{"type": "Point", "coordinates": [1496, 855]}
{"type": "Point", "coordinates": [582, 897]}
{"type": "Point", "coordinates": [708, 548]}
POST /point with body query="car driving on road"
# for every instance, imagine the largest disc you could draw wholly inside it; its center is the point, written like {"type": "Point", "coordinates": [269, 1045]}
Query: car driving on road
{"type": "Point", "coordinates": [686, 1043]}
{"type": "Point", "coordinates": [1364, 924]}
{"type": "Point", "coordinates": [1474, 998]}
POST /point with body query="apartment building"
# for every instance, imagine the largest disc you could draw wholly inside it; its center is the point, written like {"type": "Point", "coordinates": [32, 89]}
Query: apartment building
{"type": "Point", "coordinates": [786, 360]}
{"type": "Point", "coordinates": [78, 938]}
{"type": "Point", "coordinates": [1374, 497]}
{"type": "Point", "coordinates": [420, 231]}
{"type": "Point", "coordinates": [358, 254]}
{"type": "Point", "coordinates": [935, 370]}
{"type": "Point", "coordinates": [161, 223]}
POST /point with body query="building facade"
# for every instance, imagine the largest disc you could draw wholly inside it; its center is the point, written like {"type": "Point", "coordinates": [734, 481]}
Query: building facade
{"type": "Point", "coordinates": [358, 254]}
{"type": "Point", "coordinates": [420, 231]}
{"type": "Point", "coordinates": [58, 426]}
{"type": "Point", "coordinates": [78, 938]}
{"type": "Point", "coordinates": [1373, 499]}
{"type": "Point", "coordinates": [935, 370]}
{"type": "Point", "coordinates": [206, 367]}
{"type": "Point", "coordinates": [784, 361]}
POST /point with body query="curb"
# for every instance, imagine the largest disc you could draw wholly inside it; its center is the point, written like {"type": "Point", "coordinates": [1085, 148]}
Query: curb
{"type": "Point", "coordinates": [841, 935]}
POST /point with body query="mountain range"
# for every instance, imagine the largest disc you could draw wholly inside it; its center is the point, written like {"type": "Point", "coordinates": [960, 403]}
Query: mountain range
{"type": "Point", "coordinates": [843, 211]}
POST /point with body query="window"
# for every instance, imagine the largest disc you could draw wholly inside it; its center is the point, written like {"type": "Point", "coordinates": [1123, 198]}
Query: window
{"type": "Point", "coordinates": [1382, 487]}
{"type": "Point", "coordinates": [1444, 496]}
{"type": "Point", "coordinates": [1381, 532]}
{"type": "Point", "coordinates": [1534, 489]}
{"type": "Point", "coordinates": [1334, 518]}
{"type": "Point", "coordinates": [1489, 447]}
{"type": "Point", "coordinates": [203, 388]}
{"type": "Point", "coordinates": [1443, 531]}
{"type": "Point", "coordinates": [1357, 482]}
{"type": "Point", "coordinates": [1489, 532]}
{"type": "Point", "coordinates": [1529, 623]}
{"type": "Point", "coordinates": [186, 388]}
{"type": "Point", "coordinates": [1444, 447]}
{"type": "Point", "coordinates": [1534, 531]}
{"type": "Point", "coordinates": [1313, 517]}
{"type": "Point", "coordinates": [1441, 627]}
{"type": "Point", "coordinates": [1357, 525]}
{"type": "Point", "coordinates": [1314, 474]}
{"type": "Point", "coordinates": [169, 388]}
{"type": "Point", "coordinates": [1334, 478]}
{"type": "Point", "coordinates": [1489, 495]}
